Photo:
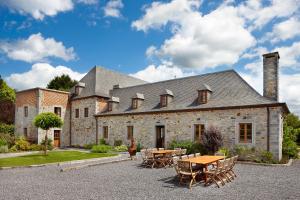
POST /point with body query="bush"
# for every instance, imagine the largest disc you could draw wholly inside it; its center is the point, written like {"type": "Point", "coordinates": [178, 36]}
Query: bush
{"type": "Point", "coordinates": [118, 143]}
{"type": "Point", "coordinates": [289, 146]}
{"type": "Point", "coordinates": [212, 139]}
{"type": "Point", "coordinates": [36, 147]}
{"type": "Point", "coordinates": [121, 148]}
{"type": "Point", "coordinates": [7, 128]}
{"type": "Point", "coordinates": [266, 157]}
{"type": "Point", "coordinates": [138, 147]}
{"type": "Point", "coordinates": [13, 149]}
{"type": "Point", "coordinates": [22, 145]}
{"type": "Point", "coordinates": [3, 142]}
{"type": "Point", "coordinates": [102, 141]}
{"type": "Point", "coordinates": [88, 146]}
{"type": "Point", "coordinates": [245, 153]}
{"type": "Point", "coordinates": [225, 151]}
{"type": "Point", "coordinates": [3, 149]}
{"type": "Point", "coordinates": [10, 139]}
{"type": "Point", "coordinates": [49, 146]}
{"type": "Point", "coordinates": [190, 146]}
{"type": "Point", "coordinates": [101, 148]}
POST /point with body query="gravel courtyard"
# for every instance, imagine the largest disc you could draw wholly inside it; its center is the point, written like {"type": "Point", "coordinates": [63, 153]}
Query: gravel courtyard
{"type": "Point", "coordinates": [127, 180]}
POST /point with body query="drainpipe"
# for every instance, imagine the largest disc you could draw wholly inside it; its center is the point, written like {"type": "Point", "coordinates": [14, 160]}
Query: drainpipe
{"type": "Point", "coordinates": [96, 130]}
{"type": "Point", "coordinates": [70, 121]}
{"type": "Point", "coordinates": [268, 128]}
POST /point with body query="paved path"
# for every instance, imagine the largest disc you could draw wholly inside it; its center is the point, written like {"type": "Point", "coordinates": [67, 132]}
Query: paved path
{"type": "Point", "coordinates": [126, 180]}
{"type": "Point", "coordinates": [9, 155]}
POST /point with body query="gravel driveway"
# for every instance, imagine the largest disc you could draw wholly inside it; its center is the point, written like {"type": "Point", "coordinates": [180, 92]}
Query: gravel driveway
{"type": "Point", "coordinates": [127, 180]}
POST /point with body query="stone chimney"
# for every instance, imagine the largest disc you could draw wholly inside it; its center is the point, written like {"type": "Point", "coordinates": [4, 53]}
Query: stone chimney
{"type": "Point", "coordinates": [270, 63]}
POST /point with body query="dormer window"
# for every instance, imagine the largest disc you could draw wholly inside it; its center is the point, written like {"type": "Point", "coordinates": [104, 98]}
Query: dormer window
{"type": "Point", "coordinates": [113, 103]}
{"type": "Point", "coordinates": [79, 87]}
{"type": "Point", "coordinates": [137, 100]}
{"type": "Point", "coordinates": [204, 94]}
{"type": "Point", "coordinates": [165, 98]}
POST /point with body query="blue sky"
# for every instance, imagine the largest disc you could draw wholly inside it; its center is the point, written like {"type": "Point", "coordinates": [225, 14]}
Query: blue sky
{"type": "Point", "coordinates": [151, 40]}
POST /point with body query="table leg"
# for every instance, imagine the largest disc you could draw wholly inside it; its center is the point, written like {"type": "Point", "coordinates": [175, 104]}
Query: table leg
{"type": "Point", "coordinates": [205, 174]}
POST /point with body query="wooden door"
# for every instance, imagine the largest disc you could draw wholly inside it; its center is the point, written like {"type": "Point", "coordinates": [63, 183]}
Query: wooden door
{"type": "Point", "coordinates": [57, 138]}
{"type": "Point", "coordinates": [160, 136]}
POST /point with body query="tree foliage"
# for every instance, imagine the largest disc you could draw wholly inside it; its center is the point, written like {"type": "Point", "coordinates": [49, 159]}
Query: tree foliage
{"type": "Point", "coordinates": [292, 120]}
{"type": "Point", "coordinates": [63, 82]}
{"type": "Point", "coordinates": [291, 131]}
{"type": "Point", "coordinates": [212, 139]}
{"type": "Point", "coordinates": [6, 92]}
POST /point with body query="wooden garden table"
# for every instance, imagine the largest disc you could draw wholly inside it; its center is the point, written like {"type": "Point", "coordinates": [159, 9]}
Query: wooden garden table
{"type": "Point", "coordinates": [205, 161]}
{"type": "Point", "coordinates": [163, 159]}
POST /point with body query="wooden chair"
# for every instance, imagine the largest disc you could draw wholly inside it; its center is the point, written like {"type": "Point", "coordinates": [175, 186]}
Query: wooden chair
{"type": "Point", "coordinates": [230, 171]}
{"type": "Point", "coordinates": [150, 162]}
{"type": "Point", "coordinates": [184, 157]}
{"type": "Point", "coordinates": [191, 155]}
{"type": "Point", "coordinates": [214, 174]}
{"type": "Point", "coordinates": [160, 149]}
{"type": "Point", "coordinates": [143, 155]}
{"type": "Point", "coordinates": [183, 151]}
{"type": "Point", "coordinates": [185, 171]}
{"type": "Point", "coordinates": [197, 154]}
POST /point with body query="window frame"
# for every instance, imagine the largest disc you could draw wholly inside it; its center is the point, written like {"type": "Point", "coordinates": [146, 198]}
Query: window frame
{"type": "Point", "coordinates": [56, 107]}
{"type": "Point", "coordinates": [202, 129]}
{"type": "Point", "coordinates": [110, 106]}
{"type": "Point", "coordinates": [237, 132]}
{"type": "Point", "coordinates": [163, 100]}
{"type": "Point", "coordinates": [86, 112]}
{"type": "Point", "coordinates": [77, 113]}
{"type": "Point", "coordinates": [130, 130]}
{"type": "Point", "coordinates": [202, 96]}
{"type": "Point", "coordinates": [134, 103]}
{"type": "Point", "coordinates": [105, 132]}
{"type": "Point", "coordinates": [25, 132]}
{"type": "Point", "coordinates": [25, 111]}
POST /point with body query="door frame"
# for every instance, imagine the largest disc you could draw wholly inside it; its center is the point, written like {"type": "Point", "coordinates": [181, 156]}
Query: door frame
{"type": "Point", "coordinates": [59, 138]}
{"type": "Point", "coordinates": [159, 127]}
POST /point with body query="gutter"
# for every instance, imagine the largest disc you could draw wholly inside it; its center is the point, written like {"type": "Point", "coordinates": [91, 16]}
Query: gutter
{"type": "Point", "coordinates": [268, 128]}
{"type": "Point", "coordinates": [97, 130]}
{"type": "Point", "coordinates": [70, 122]}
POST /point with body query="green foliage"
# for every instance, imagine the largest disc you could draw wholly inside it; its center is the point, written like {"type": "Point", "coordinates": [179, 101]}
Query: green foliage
{"type": "Point", "coordinates": [47, 120]}
{"type": "Point", "coordinates": [49, 142]}
{"type": "Point", "coordinates": [121, 148]}
{"type": "Point", "coordinates": [245, 153]}
{"type": "Point", "coordinates": [88, 146]}
{"type": "Point", "coordinates": [292, 120]}
{"type": "Point", "coordinates": [102, 141]}
{"type": "Point", "coordinates": [3, 149]}
{"type": "Point", "coordinates": [266, 157]}
{"type": "Point", "coordinates": [13, 149]}
{"type": "Point", "coordinates": [212, 139]}
{"type": "Point", "coordinates": [138, 147]}
{"type": "Point", "coordinates": [7, 128]}
{"type": "Point", "coordinates": [36, 147]}
{"type": "Point", "coordinates": [22, 145]}
{"type": "Point", "coordinates": [3, 142]}
{"type": "Point", "coordinates": [101, 148]}
{"type": "Point", "coordinates": [118, 142]}
{"type": "Point", "coordinates": [10, 139]}
{"type": "Point", "coordinates": [289, 146]}
{"type": "Point", "coordinates": [6, 92]}
{"type": "Point", "coordinates": [63, 82]}
{"type": "Point", "coordinates": [190, 146]}
{"type": "Point", "coordinates": [225, 151]}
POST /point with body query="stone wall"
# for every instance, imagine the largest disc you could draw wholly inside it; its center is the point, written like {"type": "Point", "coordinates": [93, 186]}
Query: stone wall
{"type": "Point", "coordinates": [180, 126]}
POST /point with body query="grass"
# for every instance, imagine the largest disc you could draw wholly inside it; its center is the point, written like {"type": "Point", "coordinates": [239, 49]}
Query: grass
{"type": "Point", "coordinates": [52, 157]}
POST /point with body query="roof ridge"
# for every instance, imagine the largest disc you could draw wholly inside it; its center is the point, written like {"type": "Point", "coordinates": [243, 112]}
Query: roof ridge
{"type": "Point", "coordinates": [186, 77]}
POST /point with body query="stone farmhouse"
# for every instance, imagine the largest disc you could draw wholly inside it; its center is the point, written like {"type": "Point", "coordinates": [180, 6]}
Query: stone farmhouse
{"type": "Point", "coordinates": [106, 104]}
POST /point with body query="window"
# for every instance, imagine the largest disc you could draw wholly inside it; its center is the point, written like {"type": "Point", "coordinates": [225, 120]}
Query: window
{"type": "Point", "coordinates": [105, 132]}
{"type": "Point", "coordinates": [129, 132]}
{"type": "Point", "coordinates": [110, 106]}
{"type": "Point", "coordinates": [134, 103]}
{"type": "Point", "coordinates": [77, 113]}
{"type": "Point", "coordinates": [25, 132]}
{"type": "Point", "coordinates": [25, 111]}
{"type": "Point", "coordinates": [202, 98]}
{"type": "Point", "coordinates": [57, 111]}
{"type": "Point", "coordinates": [198, 132]}
{"type": "Point", "coordinates": [163, 100]}
{"type": "Point", "coordinates": [245, 133]}
{"type": "Point", "coordinates": [86, 112]}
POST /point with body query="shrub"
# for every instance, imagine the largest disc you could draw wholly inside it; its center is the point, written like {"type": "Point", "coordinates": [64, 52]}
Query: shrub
{"type": "Point", "coordinates": [3, 149]}
{"type": "Point", "coordinates": [266, 157]}
{"type": "Point", "coordinates": [121, 148]}
{"type": "Point", "coordinates": [212, 139]}
{"type": "Point", "coordinates": [88, 146]}
{"type": "Point", "coordinates": [22, 144]}
{"type": "Point", "coordinates": [36, 147]}
{"type": "Point", "coordinates": [13, 149]}
{"type": "Point", "coordinates": [102, 141]}
{"type": "Point", "coordinates": [190, 146]}
{"type": "Point", "coordinates": [118, 143]}
{"type": "Point", "coordinates": [225, 151]}
{"type": "Point", "coordinates": [10, 139]}
{"type": "Point", "coordinates": [138, 147]}
{"type": "Point", "coordinates": [245, 153]}
{"type": "Point", "coordinates": [101, 148]}
{"type": "Point", "coordinates": [3, 142]}
{"type": "Point", "coordinates": [289, 146]}
{"type": "Point", "coordinates": [7, 128]}
{"type": "Point", "coordinates": [49, 146]}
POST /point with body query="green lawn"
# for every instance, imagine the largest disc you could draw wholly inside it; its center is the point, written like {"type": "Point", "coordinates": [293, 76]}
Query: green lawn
{"type": "Point", "coordinates": [52, 157]}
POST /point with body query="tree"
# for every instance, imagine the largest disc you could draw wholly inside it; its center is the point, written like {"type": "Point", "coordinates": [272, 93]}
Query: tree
{"type": "Point", "coordinates": [212, 139]}
{"type": "Point", "coordinates": [46, 121]}
{"type": "Point", "coordinates": [292, 120]}
{"type": "Point", "coordinates": [63, 82]}
{"type": "Point", "coordinates": [6, 92]}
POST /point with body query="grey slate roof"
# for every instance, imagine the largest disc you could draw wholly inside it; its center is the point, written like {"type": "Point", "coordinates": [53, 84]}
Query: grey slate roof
{"type": "Point", "coordinates": [99, 81]}
{"type": "Point", "coordinates": [228, 89]}
{"type": "Point", "coordinates": [205, 87]}
{"type": "Point", "coordinates": [138, 96]}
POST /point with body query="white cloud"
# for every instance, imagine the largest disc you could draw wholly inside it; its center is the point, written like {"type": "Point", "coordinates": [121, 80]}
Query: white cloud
{"type": "Point", "coordinates": [38, 9]}
{"type": "Point", "coordinates": [198, 41]}
{"type": "Point", "coordinates": [258, 14]}
{"type": "Point", "coordinates": [36, 48]}
{"type": "Point", "coordinates": [290, 55]}
{"type": "Point", "coordinates": [88, 2]}
{"type": "Point", "coordinates": [161, 72]}
{"type": "Point", "coordinates": [112, 8]}
{"type": "Point", "coordinates": [39, 76]}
